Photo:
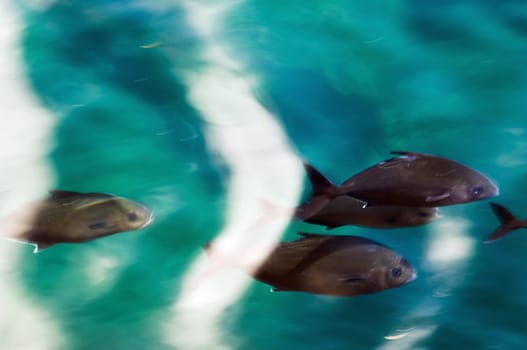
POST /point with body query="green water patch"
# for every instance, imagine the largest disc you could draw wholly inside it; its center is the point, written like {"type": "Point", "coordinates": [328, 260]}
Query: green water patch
{"type": "Point", "coordinates": [124, 127]}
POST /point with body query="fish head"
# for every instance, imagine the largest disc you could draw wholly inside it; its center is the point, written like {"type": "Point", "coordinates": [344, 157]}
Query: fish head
{"type": "Point", "coordinates": [392, 271]}
{"type": "Point", "coordinates": [374, 268]}
{"type": "Point", "coordinates": [475, 188]}
{"type": "Point", "coordinates": [116, 215]}
{"type": "Point", "coordinates": [131, 215]}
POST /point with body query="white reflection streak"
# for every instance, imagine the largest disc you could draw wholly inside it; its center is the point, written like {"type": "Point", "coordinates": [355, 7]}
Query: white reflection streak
{"type": "Point", "coordinates": [24, 175]}
{"type": "Point", "coordinates": [263, 170]}
{"type": "Point", "coordinates": [449, 248]}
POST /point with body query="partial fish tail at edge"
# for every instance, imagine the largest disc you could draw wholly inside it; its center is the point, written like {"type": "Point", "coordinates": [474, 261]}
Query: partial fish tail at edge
{"type": "Point", "coordinates": [508, 222]}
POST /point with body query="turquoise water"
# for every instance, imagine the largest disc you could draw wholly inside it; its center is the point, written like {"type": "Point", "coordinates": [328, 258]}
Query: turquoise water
{"type": "Point", "coordinates": [348, 81]}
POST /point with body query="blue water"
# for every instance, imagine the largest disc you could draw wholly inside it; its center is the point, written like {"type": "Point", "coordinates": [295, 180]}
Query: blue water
{"type": "Point", "coordinates": [348, 81]}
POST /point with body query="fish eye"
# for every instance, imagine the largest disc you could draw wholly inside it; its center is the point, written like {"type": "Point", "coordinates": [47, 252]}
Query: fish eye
{"type": "Point", "coordinates": [477, 190]}
{"type": "Point", "coordinates": [132, 217]}
{"type": "Point", "coordinates": [422, 214]}
{"type": "Point", "coordinates": [396, 272]}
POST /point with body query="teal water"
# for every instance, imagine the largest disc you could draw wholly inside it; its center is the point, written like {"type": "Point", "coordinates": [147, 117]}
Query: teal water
{"type": "Point", "coordinates": [348, 81]}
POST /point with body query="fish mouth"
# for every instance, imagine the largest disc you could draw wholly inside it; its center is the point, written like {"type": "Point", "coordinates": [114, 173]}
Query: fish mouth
{"type": "Point", "coordinates": [149, 220]}
{"type": "Point", "coordinates": [496, 191]}
{"type": "Point", "coordinates": [412, 278]}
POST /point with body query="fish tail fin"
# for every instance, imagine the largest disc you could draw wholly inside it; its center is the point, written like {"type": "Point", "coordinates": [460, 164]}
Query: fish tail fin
{"type": "Point", "coordinates": [320, 183]}
{"type": "Point", "coordinates": [508, 222]}
{"type": "Point", "coordinates": [323, 191]}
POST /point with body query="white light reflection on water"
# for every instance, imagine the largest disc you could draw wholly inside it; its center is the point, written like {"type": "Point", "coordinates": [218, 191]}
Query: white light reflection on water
{"type": "Point", "coordinates": [263, 168]}
{"type": "Point", "coordinates": [448, 249]}
{"type": "Point", "coordinates": [24, 175]}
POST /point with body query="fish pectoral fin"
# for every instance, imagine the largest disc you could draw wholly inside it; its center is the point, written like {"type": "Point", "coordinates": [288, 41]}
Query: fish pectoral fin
{"type": "Point", "coordinates": [363, 203]}
{"type": "Point", "coordinates": [98, 225]}
{"type": "Point", "coordinates": [437, 197]}
{"type": "Point", "coordinates": [351, 279]}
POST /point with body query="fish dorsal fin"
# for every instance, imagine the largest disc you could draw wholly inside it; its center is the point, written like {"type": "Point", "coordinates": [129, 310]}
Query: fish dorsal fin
{"type": "Point", "coordinates": [402, 157]}
{"type": "Point", "coordinates": [320, 183]}
{"type": "Point", "coordinates": [81, 200]}
{"type": "Point", "coordinates": [406, 154]}
{"type": "Point", "coordinates": [60, 194]}
{"type": "Point", "coordinates": [502, 213]}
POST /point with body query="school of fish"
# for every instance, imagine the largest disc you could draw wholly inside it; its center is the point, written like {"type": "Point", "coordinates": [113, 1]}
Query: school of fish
{"type": "Point", "coordinates": [403, 191]}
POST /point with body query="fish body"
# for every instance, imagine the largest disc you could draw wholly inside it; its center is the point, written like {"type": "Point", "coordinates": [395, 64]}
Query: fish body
{"type": "Point", "coordinates": [508, 222]}
{"type": "Point", "coordinates": [410, 179]}
{"type": "Point", "coordinates": [419, 180]}
{"type": "Point", "coordinates": [346, 210]}
{"type": "Point", "coordinates": [74, 217]}
{"type": "Point", "coordinates": [334, 265]}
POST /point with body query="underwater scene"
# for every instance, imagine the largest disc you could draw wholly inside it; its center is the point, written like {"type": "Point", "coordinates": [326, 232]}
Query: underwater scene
{"type": "Point", "coordinates": [263, 174]}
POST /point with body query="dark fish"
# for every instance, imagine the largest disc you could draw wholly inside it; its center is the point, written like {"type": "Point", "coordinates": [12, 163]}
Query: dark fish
{"type": "Point", "coordinates": [74, 217]}
{"type": "Point", "coordinates": [345, 210]}
{"type": "Point", "coordinates": [411, 179]}
{"type": "Point", "coordinates": [508, 221]}
{"type": "Point", "coordinates": [334, 265]}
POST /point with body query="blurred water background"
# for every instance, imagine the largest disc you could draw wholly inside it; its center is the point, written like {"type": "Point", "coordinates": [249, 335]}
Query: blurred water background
{"type": "Point", "coordinates": [203, 110]}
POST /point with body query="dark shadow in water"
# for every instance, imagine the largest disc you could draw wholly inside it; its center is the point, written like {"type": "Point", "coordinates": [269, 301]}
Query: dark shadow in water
{"type": "Point", "coordinates": [119, 101]}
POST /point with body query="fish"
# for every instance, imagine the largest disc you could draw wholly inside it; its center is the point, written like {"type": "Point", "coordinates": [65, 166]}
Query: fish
{"type": "Point", "coordinates": [346, 210]}
{"type": "Point", "coordinates": [508, 222]}
{"type": "Point", "coordinates": [75, 217]}
{"type": "Point", "coordinates": [409, 179]}
{"type": "Point", "coordinates": [334, 265]}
